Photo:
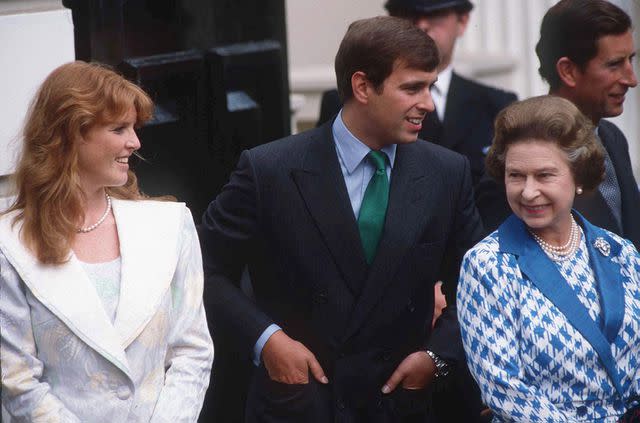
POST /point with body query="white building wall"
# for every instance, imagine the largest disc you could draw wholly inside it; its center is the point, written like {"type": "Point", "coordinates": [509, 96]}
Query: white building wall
{"type": "Point", "coordinates": [37, 36]}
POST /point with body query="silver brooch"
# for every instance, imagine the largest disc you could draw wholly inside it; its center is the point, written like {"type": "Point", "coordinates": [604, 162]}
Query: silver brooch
{"type": "Point", "coordinates": [602, 246]}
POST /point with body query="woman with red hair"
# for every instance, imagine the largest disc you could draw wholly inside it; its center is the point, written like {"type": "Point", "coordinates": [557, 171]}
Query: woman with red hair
{"type": "Point", "coordinates": [101, 306]}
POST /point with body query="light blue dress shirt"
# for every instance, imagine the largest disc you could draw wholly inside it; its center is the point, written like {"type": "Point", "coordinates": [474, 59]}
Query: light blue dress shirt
{"type": "Point", "coordinates": [357, 171]}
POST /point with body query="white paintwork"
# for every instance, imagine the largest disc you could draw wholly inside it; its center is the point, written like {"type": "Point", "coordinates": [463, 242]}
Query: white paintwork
{"type": "Point", "coordinates": [34, 42]}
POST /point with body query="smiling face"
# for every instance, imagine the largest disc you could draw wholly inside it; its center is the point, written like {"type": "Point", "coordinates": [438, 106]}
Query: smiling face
{"type": "Point", "coordinates": [396, 108]}
{"type": "Point", "coordinates": [103, 153]}
{"type": "Point", "coordinates": [540, 187]}
{"type": "Point", "coordinates": [601, 86]}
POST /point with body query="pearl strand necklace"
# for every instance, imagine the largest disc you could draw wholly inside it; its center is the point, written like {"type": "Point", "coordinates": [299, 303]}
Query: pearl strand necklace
{"type": "Point", "coordinates": [102, 218]}
{"type": "Point", "coordinates": [563, 252]}
{"type": "Point", "coordinates": [561, 248]}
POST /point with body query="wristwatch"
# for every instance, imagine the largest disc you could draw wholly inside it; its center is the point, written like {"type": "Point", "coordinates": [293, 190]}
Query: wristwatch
{"type": "Point", "coordinates": [442, 367]}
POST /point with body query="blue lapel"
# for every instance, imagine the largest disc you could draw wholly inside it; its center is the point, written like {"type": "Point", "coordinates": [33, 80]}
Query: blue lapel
{"type": "Point", "coordinates": [543, 273]}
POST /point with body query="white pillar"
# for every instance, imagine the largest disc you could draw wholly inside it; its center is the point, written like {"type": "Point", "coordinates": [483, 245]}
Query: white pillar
{"type": "Point", "coordinates": [37, 36]}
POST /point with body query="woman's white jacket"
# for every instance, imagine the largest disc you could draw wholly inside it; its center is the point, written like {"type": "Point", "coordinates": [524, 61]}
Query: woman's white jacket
{"type": "Point", "coordinates": [63, 360]}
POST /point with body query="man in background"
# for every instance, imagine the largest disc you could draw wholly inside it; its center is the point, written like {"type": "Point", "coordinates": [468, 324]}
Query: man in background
{"type": "Point", "coordinates": [465, 109]}
{"type": "Point", "coordinates": [586, 55]}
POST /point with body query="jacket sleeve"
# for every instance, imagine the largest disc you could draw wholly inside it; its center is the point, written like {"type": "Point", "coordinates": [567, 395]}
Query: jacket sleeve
{"type": "Point", "coordinates": [24, 395]}
{"type": "Point", "coordinates": [190, 350]}
{"type": "Point", "coordinates": [228, 233]}
{"type": "Point", "coordinates": [488, 321]}
{"type": "Point", "coordinates": [465, 231]}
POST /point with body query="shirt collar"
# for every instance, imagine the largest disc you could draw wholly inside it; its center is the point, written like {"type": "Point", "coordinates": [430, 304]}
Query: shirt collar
{"type": "Point", "coordinates": [351, 150]}
{"type": "Point", "coordinates": [444, 81]}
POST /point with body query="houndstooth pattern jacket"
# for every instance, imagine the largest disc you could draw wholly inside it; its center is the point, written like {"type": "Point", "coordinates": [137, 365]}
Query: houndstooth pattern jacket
{"type": "Point", "coordinates": [527, 347]}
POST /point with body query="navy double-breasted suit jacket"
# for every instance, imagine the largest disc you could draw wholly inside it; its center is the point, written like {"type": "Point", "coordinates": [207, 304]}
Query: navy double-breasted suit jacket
{"type": "Point", "coordinates": [286, 214]}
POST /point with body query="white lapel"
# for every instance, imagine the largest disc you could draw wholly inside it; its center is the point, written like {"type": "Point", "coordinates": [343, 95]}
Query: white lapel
{"type": "Point", "coordinates": [148, 233]}
{"type": "Point", "coordinates": [67, 292]}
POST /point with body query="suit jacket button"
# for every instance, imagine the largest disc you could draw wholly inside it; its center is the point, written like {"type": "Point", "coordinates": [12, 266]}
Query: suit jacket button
{"type": "Point", "coordinates": [411, 307]}
{"type": "Point", "coordinates": [341, 405]}
{"type": "Point", "coordinates": [321, 298]}
{"type": "Point", "coordinates": [123, 393]}
{"type": "Point", "coordinates": [386, 356]}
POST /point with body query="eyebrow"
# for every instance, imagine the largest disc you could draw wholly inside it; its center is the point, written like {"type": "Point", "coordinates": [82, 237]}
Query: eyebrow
{"type": "Point", "coordinates": [414, 84]}
{"type": "Point", "coordinates": [544, 169]}
{"type": "Point", "coordinates": [621, 57]}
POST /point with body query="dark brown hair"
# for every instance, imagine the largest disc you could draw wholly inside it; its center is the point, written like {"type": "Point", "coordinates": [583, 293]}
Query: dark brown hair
{"type": "Point", "coordinates": [375, 45]}
{"type": "Point", "coordinates": [552, 119]}
{"type": "Point", "coordinates": [74, 98]}
{"type": "Point", "coordinates": [571, 28]}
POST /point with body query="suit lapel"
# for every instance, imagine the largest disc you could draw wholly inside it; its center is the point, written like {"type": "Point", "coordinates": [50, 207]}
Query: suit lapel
{"type": "Point", "coordinates": [148, 233]}
{"type": "Point", "coordinates": [321, 185]}
{"type": "Point", "coordinates": [608, 277]}
{"type": "Point", "coordinates": [616, 145]}
{"type": "Point", "coordinates": [543, 273]}
{"type": "Point", "coordinates": [409, 183]}
{"type": "Point", "coordinates": [455, 124]}
{"type": "Point", "coordinates": [68, 293]}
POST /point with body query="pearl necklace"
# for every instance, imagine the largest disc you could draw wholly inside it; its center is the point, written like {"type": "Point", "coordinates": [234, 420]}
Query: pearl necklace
{"type": "Point", "coordinates": [563, 252]}
{"type": "Point", "coordinates": [102, 218]}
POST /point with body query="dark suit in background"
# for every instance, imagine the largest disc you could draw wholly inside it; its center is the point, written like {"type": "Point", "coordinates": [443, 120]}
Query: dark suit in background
{"type": "Point", "coordinates": [494, 209]}
{"type": "Point", "coordinates": [286, 214]}
{"type": "Point", "coordinates": [468, 119]}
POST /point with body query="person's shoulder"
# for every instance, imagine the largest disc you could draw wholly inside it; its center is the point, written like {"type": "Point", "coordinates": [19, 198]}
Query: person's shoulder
{"type": "Point", "coordinates": [329, 106]}
{"type": "Point", "coordinates": [485, 258]}
{"type": "Point", "coordinates": [489, 245]}
{"type": "Point", "coordinates": [609, 132]}
{"type": "Point", "coordinates": [151, 210]}
{"type": "Point", "coordinates": [609, 126]}
{"type": "Point", "coordinates": [428, 152]}
{"type": "Point", "coordinates": [292, 148]}
{"type": "Point", "coordinates": [155, 203]}
{"type": "Point", "coordinates": [497, 97]}
{"type": "Point", "coordinates": [426, 147]}
{"type": "Point", "coordinates": [332, 93]}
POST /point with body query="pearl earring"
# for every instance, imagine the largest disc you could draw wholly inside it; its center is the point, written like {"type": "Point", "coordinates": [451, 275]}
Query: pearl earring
{"type": "Point", "coordinates": [579, 190]}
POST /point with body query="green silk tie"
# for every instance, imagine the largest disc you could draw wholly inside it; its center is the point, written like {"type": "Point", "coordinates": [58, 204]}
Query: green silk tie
{"type": "Point", "coordinates": [374, 206]}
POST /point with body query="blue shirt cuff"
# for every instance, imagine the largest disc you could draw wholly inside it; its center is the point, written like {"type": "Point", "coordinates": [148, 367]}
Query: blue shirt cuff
{"type": "Point", "coordinates": [257, 349]}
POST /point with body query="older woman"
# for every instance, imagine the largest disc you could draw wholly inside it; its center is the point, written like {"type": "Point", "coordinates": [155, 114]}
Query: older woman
{"type": "Point", "coordinates": [549, 305]}
{"type": "Point", "coordinates": [101, 289]}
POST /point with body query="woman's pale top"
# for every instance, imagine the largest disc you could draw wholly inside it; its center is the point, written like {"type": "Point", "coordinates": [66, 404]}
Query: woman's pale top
{"type": "Point", "coordinates": [105, 277]}
{"type": "Point", "coordinates": [544, 340]}
{"type": "Point", "coordinates": [63, 360]}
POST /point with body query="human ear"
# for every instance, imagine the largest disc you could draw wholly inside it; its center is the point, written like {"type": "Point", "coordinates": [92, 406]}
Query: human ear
{"type": "Point", "coordinates": [463, 21]}
{"type": "Point", "coordinates": [567, 71]}
{"type": "Point", "coordinates": [360, 85]}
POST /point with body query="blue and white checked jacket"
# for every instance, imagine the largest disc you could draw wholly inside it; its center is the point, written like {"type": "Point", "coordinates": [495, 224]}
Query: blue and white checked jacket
{"type": "Point", "coordinates": [532, 328]}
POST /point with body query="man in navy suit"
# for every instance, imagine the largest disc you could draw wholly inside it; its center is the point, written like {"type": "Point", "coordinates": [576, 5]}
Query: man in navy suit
{"type": "Point", "coordinates": [465, 109]}
{"type": "Point", "coordinates": [345, 229]}
{"type": "Point", "coordinates": [586, 55]}
{"type": "Point", "coordinates": [462, 122]}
